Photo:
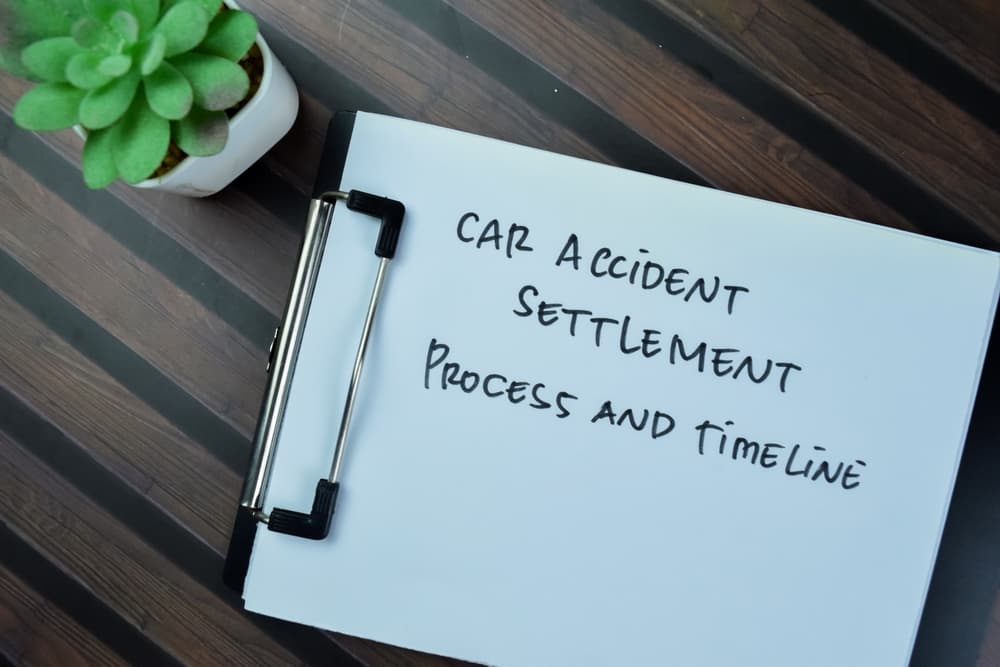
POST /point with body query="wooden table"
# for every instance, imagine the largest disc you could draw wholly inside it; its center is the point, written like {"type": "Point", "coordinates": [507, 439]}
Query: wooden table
{"type": "Point", "coordinates": [134, 325]}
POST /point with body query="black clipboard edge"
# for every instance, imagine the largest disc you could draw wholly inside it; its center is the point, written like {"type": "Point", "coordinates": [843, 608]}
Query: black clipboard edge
{"type": "Point", "coordinates": [338, 140]}
{"type": "Point", "coordinates": [234, 572]}
{"type": "Point", "coordinates": [328, 177]}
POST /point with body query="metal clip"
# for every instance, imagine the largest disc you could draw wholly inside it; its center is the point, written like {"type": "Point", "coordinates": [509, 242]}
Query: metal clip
{"type": "Point", "coordinates": [316, 523]}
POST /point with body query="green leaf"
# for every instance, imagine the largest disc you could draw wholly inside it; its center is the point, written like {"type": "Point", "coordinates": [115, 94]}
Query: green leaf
{"type": "Point", "coordinates": [140, 141]}
{"type": "Point", "coordinates": [147, 12]}
{"type": "Point", "coordinates": [90, 33]}
{"type": "Point", "coordinates": [102, 107]}
{"type": "Point", "coordinates": [99, 168]}
{"type": "Point", "coordinates": [102, 10]}
{"type": "Point", "coordinates": [83, 71]}
{"type": "Point", "coordinates": [230, 35]}
{"type": "Point", "coordinates": [183, 26]}
{"type": "Point", "coordinates": [218, 83]}
{"type": "Point", "coordinates": [152, 54]}
{"type": "Point", "coordinates": [125, 25]}
{"type": "Point", "coordinates": [116, 65]}
{"type": "Point", "coordinates": [47, 58]}
{"type": "Point", "coordinates": [202, 132]}
{"type": "Point", "coordinates": [210, 6]}
{"type": "Point", "coordinates": [48, 106]}
{"type": "Point", "coordinates": [168, 92]}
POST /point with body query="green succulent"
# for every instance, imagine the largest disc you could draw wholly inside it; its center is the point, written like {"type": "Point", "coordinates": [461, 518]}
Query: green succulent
{"type": "Point", "coordinates": [138, 74]}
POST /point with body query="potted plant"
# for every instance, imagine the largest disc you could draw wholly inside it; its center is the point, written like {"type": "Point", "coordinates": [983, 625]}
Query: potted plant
{"type": "Point", "coordinates": [177, 95]}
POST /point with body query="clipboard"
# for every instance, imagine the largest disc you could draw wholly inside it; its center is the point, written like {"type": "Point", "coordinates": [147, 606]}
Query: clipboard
{"type": "Point", "coordinates": [514, 451]}
{"type": "Point", "coordinates": [283, 354]}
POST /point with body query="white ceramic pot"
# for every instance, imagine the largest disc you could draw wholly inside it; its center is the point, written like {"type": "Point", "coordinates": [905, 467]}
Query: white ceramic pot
{"type": "Point", "coordinates": [252, 132]}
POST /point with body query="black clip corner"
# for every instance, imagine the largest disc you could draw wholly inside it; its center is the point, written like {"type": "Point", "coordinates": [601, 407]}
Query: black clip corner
{"type": "Point", "coordinates": [389, 211]}
{"type": "Point", "coordinates": [312, 526]}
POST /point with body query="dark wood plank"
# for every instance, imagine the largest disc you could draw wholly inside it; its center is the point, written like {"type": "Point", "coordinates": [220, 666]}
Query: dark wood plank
{"type": "Point", "coordinates": [378, 655]}
{"type": "Point", "coordinates": [35, 632]}
{"type": "Point", "coordinates": [967, 30]}
{"type": "Point", "coordinates": [68, 595]}
{"type": "Point", "coordinates": [230, 232]}
{"type": "Point", "coordinates": [126, 436]}
{"type": "Point", "coordinates": [826, 68]}
{"type": "Point", "coordinates": [673, 105]}
{"type": "Point", "coordinates": [296, 157]}
{"type": "Point", "coordinates": [131, 300]}
{"type": "Point", "coordinates": [145, 588]}
{"type": "Point", "coordinates": [412, 73]}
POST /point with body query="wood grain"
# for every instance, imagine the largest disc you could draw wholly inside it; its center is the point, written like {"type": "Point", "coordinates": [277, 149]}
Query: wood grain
{"type": "Point", "coordinates": [296, 157]}
{"type": "Point", "coordinates": [146, 589]}
{"type": "Point", "coordinates": [374, 653]}
{"type": "Point", "coordinates": [964, 29]}
{"type": "Point", "coordinates": [126, 436]}
{"type": "Point", "coordinates": [673, 105]}
{"type": "Point", "coordinates": [35, 632]}
{"type": "Point", "coordinates": [97, 275]}
{"type": "Point", "coordinates": [826, 68]}
{"type": "Point", "coordinates": [413, 74]}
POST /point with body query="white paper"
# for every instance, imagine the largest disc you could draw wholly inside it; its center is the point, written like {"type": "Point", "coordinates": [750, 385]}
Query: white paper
{"type": "Point", "coordinates": [496, 532]}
